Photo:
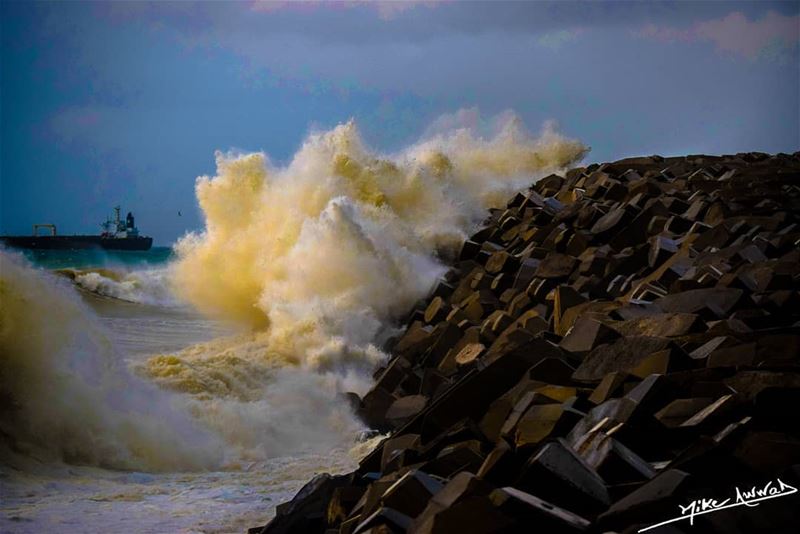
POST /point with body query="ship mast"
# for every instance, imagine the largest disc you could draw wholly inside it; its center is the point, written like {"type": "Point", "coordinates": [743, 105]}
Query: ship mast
{"type": "Point", "coordinates": [117, 221]}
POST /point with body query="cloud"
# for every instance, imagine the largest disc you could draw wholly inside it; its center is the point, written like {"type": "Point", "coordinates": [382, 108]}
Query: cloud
{"type": "Point", "coordinates": [389, 10]}
{"type": "Point", "coordinates": [665, 34]}
{"type": "Point", "coordinates": [413, 21]}
{"type": "Point", "coordinates": [736, 34]}
{"type": "Point", "coordinates": [386, 9]}
{"type": "Point", "coordinates": [556, 39]}
{"type": "Point", "coordinates": [770, 37]}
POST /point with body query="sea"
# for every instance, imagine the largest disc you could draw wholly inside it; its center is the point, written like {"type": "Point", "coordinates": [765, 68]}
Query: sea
{"type": "Point", "coordinates": [192, 388]}
{"type": "Point", "coordinates": [124, 293]}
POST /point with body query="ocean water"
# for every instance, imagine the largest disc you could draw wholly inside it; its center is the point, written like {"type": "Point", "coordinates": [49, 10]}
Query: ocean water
{"type": "Point", "coordinates": [98, 258]}
{"type": "Point", "coordinates": [137, 318]}
{"type": "Point", "coordinates": [194, 388]}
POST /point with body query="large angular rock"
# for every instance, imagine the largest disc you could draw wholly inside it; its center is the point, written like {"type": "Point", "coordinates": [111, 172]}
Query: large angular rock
{"type": "Point", "coordinates": [473, 514]}
{"type": "Point", "coordinates": [605, 416]}
{"type": "Point", "coordinates": [436, 311]}
{"type": "Point", "coordinates": [463, 456]}
{"type": "Point", "coordinates": [410, 494]}
{"type": "Point", "coordinates": [470, 396]}
{"type": "Point", "coordinates": [461, 487]}
{"type": "Point", "coordinates": [342, 501]}
{"type": "Point", "coordinates": [569, 317]}
{"type": "Point", "coordinates": [542, 421]}
{"type": "Point", "coordinates": [387, 518]}
{"type": "Point", "coordinates": [680, 410]}
{"type": "Point", "coordinates": [501, 464]}
{"type": "Point", "coordinates": [558, 475]}
{"type": "Point", "coordinates": [586, 334]}
{"type": "Point", "coordinates": [713, 303]}
{"type": "Point", "coordinates": [374, 405]}
{"type": "Point", "coordinates": [469, 354]}
{"type": "Point", "coordinates": [611, 222]}
{"type": "Point", "coordinates": [396, 446]}
{"type": "Point", "coordinates": [414, 341]}
{"type": "Point", "coordinates": [553, 370]}
{"type": "Point", "coordinates": [556, 265]}
{"type": "Point", "coordinates": [613, 461]}
{"type": "Point", "coordinates": [307, 511]}
{"type": "Point", "coordinates": [530, 510]}
{"type": "Point", "coordinates": [405, 408]}
{"type": "Point", "coordinates": [625, 354]}
{"type": "Point", "coordinates": [445, 336]}
{"type": "Point", "coordinates": [658, 498]}
{"type": "Point", "coordinates": [608, 387]}
{"type": "Point", "coordinates": [564, 298]}
{"type": "Point", "coordinates": [661, 325]}
{"type": "Point", "coordinates": [371, 500]}
{"type": "Point", "coordinates": [502, 261]}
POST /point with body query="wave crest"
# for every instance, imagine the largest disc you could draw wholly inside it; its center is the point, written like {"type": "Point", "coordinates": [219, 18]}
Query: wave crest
{"type": "Point", "coordinates": [321, 256]}
{"type": "Point", "coordinates": [145, 286]}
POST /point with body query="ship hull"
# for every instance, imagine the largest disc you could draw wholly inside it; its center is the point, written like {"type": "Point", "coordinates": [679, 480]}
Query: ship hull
{"type": "Point", "coordinates": [77, 242]}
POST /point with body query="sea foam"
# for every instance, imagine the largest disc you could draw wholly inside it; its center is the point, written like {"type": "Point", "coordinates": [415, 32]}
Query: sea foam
{"type": "Point", "coordinates": [65, 393]}
{"type": "Point", "coordinates": [316, 261]}
{"type": "Point", "coordinates": [321, 257]}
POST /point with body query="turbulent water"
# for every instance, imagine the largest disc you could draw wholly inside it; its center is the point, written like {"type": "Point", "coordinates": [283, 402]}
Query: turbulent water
{"type": "Point", "coordinates": [193, 392]}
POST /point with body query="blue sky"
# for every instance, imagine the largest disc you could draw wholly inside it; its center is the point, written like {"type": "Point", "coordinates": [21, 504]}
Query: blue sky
{"type": "Point", "coordinates": [126, 102]}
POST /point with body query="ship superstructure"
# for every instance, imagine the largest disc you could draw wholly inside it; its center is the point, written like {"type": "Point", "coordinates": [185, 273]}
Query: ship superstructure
{"type": "Point", "coordinates": [117, 235]}
{"type": "Point", "coordinates": [117, 229]}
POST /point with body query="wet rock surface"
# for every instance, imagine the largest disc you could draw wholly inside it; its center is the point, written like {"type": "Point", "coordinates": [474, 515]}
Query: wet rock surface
{"type": "Point", "coordinates": [614, 343]}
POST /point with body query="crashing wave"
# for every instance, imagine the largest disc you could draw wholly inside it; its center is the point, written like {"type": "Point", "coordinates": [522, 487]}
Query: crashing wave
{"type": "Point", "coordinates": [146, 286]}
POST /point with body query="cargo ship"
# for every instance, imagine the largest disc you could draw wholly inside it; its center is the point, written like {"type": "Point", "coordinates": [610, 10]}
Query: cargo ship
{"type": "Point", "coordinates": [117, 235]}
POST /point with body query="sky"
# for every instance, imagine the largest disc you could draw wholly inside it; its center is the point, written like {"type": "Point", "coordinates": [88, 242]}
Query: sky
{"type": "Point", "coordinates": [105, 103]}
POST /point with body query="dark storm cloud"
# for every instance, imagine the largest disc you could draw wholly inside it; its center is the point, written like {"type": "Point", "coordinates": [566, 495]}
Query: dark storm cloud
{"type": "Point", "coordinates": [137, 96]}
{"type": "Point", "coordinates": [362, 23]}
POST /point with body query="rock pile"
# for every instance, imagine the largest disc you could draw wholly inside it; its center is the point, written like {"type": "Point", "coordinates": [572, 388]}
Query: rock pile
{"type": "Point", "coordinates": [614, 343]}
